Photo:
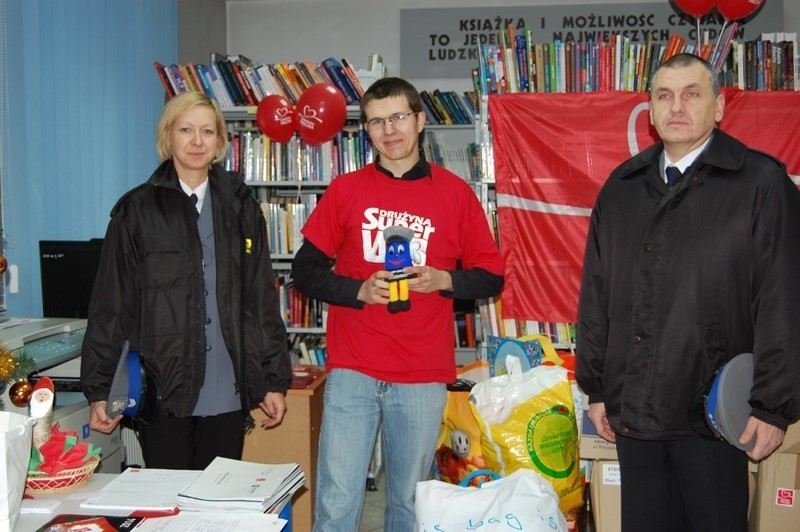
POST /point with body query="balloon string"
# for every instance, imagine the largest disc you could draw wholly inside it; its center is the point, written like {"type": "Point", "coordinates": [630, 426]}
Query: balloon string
{"type": "Point", "coordinates": [716, 46]}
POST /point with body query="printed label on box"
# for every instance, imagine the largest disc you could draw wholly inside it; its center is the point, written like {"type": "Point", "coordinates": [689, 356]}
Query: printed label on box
{"type": "Point", "coordinates": [784, 497]}
{"type": "Point", "coordinates": [611, 475]}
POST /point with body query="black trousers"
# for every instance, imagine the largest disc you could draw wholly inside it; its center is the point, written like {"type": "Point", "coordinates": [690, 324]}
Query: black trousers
{"type": "Point", "coordinates": [192, 442]}
{"type": "Point", "coordinates": [682, 485]}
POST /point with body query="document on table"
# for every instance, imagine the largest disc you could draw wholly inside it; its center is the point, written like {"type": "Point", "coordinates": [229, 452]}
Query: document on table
{"type": "Point", "coordinates": [213, 522]}
{"type": "Point", "coordinates": [236, 485]}
{"type": "Point", "coordinates": [39, 506]}
{"type": "Point", "coordinates": [142, 489]}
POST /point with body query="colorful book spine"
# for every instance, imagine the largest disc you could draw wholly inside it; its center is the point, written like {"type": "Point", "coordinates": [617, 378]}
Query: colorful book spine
{"type": "Point", "coordinates": [336, 73]}
{"type": "Point", "coordinates": [351, 76]}
{"type": "Point", "coordinates": [170, 89]}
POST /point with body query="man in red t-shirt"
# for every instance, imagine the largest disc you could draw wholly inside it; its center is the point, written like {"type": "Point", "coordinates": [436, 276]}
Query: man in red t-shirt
{"type": "Point", "coordinates": [390, 369]}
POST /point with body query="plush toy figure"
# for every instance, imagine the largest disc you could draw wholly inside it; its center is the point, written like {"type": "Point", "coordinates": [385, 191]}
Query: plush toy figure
{"type": "Point", "coordinates": [398, 256]}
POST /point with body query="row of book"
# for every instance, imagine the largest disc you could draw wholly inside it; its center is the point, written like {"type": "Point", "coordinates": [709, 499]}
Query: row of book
{"type": "Point", "coordinates": [286, 214]}
{"type": "Point", "coordinates": [235, 80]}
{"type": "Point", "coordinates": [297, 309]}
{"type": "Point", "coordinates": [519, 65]}
{"type": "Point", "coordinates": [765, 65]}
{"type": "Point", "coordinates": [571, 66]}
{"type": "Point", "coordinates": [465, 329]}
{"type": "Point", "coordinates": [259, 159]}
{"type": "Point", "coordinates": [307, 349]}
{"type": "Point", "coordinates": [448, 107]}
{"type": "Point", "coordinates": [487, 195]}
{"type": "Point", "coordinates": [492, 322]}
{"type": "Point", "coordinates": [461, 160]}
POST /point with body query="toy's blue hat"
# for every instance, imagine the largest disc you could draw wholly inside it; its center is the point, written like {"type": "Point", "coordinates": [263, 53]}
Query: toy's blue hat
{"type": "Point", "coordinates": [721, 408]}
{"type": "Point", "coordinates": [134, 393]}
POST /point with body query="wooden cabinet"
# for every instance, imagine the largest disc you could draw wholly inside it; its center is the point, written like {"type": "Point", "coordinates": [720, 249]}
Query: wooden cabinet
{"type": "Point", "coordinates": [295, 440]}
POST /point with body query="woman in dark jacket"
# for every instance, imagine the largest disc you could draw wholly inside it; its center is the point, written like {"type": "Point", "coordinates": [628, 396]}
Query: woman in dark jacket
{"type": "Point", "coordinates": [185, 277]}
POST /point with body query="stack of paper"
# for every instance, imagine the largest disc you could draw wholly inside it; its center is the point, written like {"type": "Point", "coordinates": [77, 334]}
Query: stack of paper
{"type": "Point", "coordinates": [236, 485]}
{"type": "Point", "coordinates": [142, 489]}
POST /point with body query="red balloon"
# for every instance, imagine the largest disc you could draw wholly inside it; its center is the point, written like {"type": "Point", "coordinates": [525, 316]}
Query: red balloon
{"type": "Point", "coordinates": [321, 113]}
{"type": "Point", "coordinates": [275, 118]}
{"type": "Point", "coordinates": [737, 9]}
{"type": "Point", "coordinates": [695, 8]}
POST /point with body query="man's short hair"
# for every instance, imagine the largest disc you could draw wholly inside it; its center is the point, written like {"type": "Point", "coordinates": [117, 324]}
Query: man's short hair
{"type": "Point", "coordinates": [389, 87]}
{"type": "Point", "coordinates": [684, 60]}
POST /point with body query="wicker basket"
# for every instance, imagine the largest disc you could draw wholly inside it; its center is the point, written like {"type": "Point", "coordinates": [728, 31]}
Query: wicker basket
{"type": "Point", "coordinates": [41, 482]}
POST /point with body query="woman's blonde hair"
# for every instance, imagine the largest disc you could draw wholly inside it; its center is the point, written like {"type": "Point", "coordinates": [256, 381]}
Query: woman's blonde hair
{"type": "Point", "coordinates": [176, 107]}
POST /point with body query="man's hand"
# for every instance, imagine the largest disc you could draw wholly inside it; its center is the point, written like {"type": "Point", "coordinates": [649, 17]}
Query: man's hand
{"type": "Point", "coordinates": [99, 420]}
{"type": "Point", "coordinates": [428, 279]}
{"type": "Point", "coordinates": [274, 406]}
{"type": "Point", "coordinates": [597, 415]}
{"type": "Point", "coordinates": [768, 438]}
{"type": "Point", "coordinates": [375, 290]}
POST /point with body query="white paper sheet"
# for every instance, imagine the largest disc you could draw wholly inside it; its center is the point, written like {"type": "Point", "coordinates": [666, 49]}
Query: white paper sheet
{"type": "Point", "coordinates": [142, 489]}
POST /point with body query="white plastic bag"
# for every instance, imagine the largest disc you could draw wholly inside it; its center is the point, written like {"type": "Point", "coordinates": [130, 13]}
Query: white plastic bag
{"type": "Point", "coordinates": [16, 432]}
{"type": "Point", "coordinates": [521, 501]}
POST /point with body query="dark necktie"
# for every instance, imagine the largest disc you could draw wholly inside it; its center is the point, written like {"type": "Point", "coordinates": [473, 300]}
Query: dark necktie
{"type": "Point", "coordinates": [194, 202]}
{"type": "Point", "coordinates": [673, 175]}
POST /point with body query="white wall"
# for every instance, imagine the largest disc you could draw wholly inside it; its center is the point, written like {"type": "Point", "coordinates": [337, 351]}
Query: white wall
{"type": "Point", "coordinates": [200, 30]}
{"type": "Point", "coordinates": [280, 31]}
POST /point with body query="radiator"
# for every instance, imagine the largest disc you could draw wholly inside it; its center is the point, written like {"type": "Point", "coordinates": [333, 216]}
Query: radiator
{"type": "Point", "coordinates": [133, 450]}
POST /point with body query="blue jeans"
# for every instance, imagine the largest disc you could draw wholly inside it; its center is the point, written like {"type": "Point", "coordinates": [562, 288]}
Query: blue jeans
{"type": "Point", "coordinates": [355, 405]}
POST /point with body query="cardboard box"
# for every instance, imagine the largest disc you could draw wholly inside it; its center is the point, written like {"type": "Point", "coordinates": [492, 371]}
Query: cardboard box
{"type": "Point", "coordinates": [606, 498]}
{"type": "Point", "coordinates": [791, 441]}
{"type": "Point", "coordinates": [776, 506]}
{"type": "Point", "coordinates": [752, 480]}
{"type": "Point", "coordinates": [592, 446]}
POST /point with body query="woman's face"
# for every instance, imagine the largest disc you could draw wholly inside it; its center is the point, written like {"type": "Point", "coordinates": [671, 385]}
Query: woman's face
{"type": "Point", "coordinates": [194, 140]}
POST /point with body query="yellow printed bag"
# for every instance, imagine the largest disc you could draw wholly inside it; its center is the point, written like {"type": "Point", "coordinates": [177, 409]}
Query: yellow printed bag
{"type": "Point", "coordinates": [527, 421]}
{"type": "Point", "coordinates": [458, 450]}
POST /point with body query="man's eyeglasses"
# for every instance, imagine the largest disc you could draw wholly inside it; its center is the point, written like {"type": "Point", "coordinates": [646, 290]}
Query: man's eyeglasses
{"type": "Point", "coordinates": [395, 119]}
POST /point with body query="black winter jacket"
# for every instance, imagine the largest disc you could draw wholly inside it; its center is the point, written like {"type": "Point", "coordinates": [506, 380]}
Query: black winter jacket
{"type": "Point", "coordinates": [149, 289]}
{"type": "Point", "coordinates": [676, 283]}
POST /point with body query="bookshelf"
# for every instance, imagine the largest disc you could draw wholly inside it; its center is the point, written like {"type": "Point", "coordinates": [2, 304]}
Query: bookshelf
{"type": "Point", "coordinates": [770, 62]}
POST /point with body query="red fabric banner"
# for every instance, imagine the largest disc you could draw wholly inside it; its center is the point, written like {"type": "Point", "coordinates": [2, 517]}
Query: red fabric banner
{"type": "Point", "coordinates": [552, 154]}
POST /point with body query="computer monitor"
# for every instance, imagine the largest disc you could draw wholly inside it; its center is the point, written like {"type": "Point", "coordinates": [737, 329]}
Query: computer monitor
{"type": "Point", "coordinates": [68, 271]}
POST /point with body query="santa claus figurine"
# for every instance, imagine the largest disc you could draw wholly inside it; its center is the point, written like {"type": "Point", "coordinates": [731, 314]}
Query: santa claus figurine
{"type": "Point", "coordinates": [41, 409]}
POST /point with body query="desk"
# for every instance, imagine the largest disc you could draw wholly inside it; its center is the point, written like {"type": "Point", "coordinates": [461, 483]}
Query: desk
{"type": "Point", "coordinates": [296, 440]}
{"type": "Point", "coordinates": [72, 498]}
